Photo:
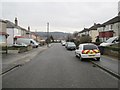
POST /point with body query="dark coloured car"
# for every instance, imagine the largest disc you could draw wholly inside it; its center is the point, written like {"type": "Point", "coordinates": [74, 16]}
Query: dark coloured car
{"type": "Point", "coordinates": [71, 46]}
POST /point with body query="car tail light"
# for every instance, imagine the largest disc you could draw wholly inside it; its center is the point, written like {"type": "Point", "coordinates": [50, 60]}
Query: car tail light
{"type": "Point", "coordinates": [82, 51]}
{"type": "Point", "coordinates": [96, 51]}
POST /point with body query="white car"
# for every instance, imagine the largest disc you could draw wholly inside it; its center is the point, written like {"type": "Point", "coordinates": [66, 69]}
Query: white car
{"type": "Point", "coordinates": [63, 43]}
{"type": "Point", "coordinates": [111, 41]}
{"type": "Point", "coordinates": [27, 41]}
{"type": "Point", "coordinates": [87, 50]}
{"type": "Point", "coordinates": [21, 44]}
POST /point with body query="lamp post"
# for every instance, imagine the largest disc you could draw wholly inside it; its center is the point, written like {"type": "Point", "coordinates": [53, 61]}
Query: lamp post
{"type": "Point", "coordinates": [47, 34]}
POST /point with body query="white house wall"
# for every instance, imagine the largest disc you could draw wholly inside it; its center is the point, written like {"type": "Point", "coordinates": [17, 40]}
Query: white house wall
{"type": "Point", "coordinates": [93, 34]}
{"type": "Point", "coordinates": [116, 28]}
{"type": "Point", "coordinates": [10, 31]}
{"type": "Point", "coordinates": [17, 32]}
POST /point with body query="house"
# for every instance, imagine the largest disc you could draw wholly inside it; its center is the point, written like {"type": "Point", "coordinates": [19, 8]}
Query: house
{"type": "Point", "coordinates": [109, 29]}
{"type": "Point", "coordinates": [93, 32]}
{"type": "Point", "coordinates": [3, 33]}
{"type": "Point", "coordinates": [14, 31]}
{"type": "Point", "coordinates": [84, 32]}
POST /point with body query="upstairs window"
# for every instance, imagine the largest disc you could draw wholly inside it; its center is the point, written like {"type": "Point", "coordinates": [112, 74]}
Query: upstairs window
{"type": "Point", "coordinates": [111, 27]}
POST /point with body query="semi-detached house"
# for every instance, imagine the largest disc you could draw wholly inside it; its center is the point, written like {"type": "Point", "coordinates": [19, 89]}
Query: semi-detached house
{"type": "Point", "coordinates": [14, 31]}
{"type": "Point", "coordinates": [92, 32]}
{"type": "Point", "coordinates": [3, 33]}
{"type": "Point", "coordinates": [109, 29]}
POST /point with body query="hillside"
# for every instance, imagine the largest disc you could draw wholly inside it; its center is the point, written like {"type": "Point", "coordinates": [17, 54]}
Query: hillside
{"type": "Point", "coordinates": [56, 35]}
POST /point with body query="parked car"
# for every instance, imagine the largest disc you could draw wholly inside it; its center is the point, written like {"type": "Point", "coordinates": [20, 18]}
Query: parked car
{"type": "Point", "coordinates": [87, 50]}
{"type": "Point", "coordinates": [111, 41]}
{"type": "Point", "coordinates": [63, 42]}
{"type": "Point", "coordinates": [27, 41]}
{"type": "Point", "coordinates": [20, 44]}
{"type": "Point", "coordinates": [70, 46]}
{"type": "Point", "coordinates": [66, 44]}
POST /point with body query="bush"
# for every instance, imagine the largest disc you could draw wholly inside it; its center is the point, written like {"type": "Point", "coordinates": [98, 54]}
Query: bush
{"type": "Point", "coordinates": [83, 39]}
{"type": "Point", "coordinates": [113, 48]}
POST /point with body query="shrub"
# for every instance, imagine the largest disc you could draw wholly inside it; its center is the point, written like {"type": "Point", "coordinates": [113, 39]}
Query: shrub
{"type": "Point", "coordinates": [83, 39]}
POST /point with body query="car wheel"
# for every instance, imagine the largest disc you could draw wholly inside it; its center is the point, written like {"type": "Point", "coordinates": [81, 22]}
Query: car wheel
{"type": "Point", "coordinates": [98, 59]}
{"type": "Point", "coordinates": [76, 54]}
{"type": "Point", "coordinates": [81, 59]}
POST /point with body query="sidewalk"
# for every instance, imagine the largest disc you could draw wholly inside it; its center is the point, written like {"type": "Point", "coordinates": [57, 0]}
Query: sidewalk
{"type": "Point", "coordinates": [109, 63]}
{"type": "Point", "coordinates": [13, 59]}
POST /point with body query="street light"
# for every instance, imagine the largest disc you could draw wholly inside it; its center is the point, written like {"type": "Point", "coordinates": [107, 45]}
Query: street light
{"type": "Point", "coordinates": [47, 34]}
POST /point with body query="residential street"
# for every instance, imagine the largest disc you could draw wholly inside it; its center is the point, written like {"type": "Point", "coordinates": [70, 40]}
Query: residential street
{"type": "Point", "coordinates": [57, 67]}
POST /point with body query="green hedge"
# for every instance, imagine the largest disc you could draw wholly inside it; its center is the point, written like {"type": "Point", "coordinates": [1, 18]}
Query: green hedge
{"type": "Point", "coordinates": [113, 48]}
{"type": "Point", "coordinates": [19, 48]}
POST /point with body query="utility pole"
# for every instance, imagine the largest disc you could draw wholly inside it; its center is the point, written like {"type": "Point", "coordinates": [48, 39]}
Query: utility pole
{"type": "Point", "coordinates": [47, 34]}
{"type": "Point", "coordinates": [36, 34]}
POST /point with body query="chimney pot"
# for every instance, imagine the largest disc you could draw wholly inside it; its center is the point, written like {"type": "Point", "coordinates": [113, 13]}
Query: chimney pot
{"type": "Point", "coordinates": [28, 28]}
{"type": "Point", "coordinates": [16, 22]}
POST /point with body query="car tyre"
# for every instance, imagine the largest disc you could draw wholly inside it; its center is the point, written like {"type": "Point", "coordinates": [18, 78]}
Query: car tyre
{"type": "Point", "coordinates": [76, 54]}
{"type": "Point", "coordinates": [81, 59]}
{"type": "Point", "coordinates": [98, 59]}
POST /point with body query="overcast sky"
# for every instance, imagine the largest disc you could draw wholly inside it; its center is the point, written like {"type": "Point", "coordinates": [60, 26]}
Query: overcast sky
{"type": "Point", "coordinates": [62, 16]}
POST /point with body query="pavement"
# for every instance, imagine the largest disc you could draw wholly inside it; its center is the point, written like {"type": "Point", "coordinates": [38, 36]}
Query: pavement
{"type": "Point", "coordinates": [57, 67]}
{"type": "Point", "coordinates": [12, 60]}
{"type": "Point", "coordinates": [109, 64]}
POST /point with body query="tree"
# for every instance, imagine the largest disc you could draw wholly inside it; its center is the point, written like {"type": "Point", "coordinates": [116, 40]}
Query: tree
{"type": "Point", "coordinates": [51, 38]}
{"type": "Point", "coordinates": [75, 34]}
{"type": "Point", "coordinates": [85, 39]}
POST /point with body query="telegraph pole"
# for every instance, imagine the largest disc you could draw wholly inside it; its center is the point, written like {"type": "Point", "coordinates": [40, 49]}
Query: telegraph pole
{"type": "Point", "coordinates": [47, 34]}
{"type": "Point", "coordinates": [36, 34]}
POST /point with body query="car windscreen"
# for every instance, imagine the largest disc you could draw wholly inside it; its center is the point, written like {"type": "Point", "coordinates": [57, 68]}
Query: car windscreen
{"type": "Point", "coordinates": [110, 40]}
{"type": "Point", "coordinates": [89, 47]}
{"type": "Point", "coordinates": [71, 44]}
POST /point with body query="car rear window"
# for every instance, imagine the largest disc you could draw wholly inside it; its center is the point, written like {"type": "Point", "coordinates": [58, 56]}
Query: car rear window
{"type": "Point", "coordinates": [89, 47]}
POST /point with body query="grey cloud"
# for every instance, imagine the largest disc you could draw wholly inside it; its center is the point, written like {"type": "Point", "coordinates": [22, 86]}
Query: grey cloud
{"type": "Point", "coordinates": [61, 15]}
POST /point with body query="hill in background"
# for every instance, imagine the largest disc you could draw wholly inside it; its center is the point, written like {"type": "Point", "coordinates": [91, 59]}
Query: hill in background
{"type": "Point", "coordinates": [56, 35]}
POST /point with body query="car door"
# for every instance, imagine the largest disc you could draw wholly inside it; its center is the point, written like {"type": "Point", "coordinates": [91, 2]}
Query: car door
{"type": "Point", "coordinates": [79, 50]}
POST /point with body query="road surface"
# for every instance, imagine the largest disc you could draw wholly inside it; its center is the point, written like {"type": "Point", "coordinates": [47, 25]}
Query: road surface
{"type": "Point", "coordinates": [57, 67]}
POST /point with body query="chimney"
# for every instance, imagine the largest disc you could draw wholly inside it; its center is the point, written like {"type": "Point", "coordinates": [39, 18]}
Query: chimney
{"type": "Point", "coordinates": [28, 28]}
{"type": "Point", "coordinates": [95, 24]}
{"type": "Point", "coordinates": [16, 22]}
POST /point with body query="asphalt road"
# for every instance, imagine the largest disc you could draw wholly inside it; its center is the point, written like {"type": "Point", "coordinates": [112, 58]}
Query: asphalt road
{"type": "Point", "coordinates": [57, 67]}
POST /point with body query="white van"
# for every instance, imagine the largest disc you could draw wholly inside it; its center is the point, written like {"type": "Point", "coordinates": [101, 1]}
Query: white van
{"type": "Point", "coordinates": [27, 41]}
{"type": "Point", "coordinates": [111, 41]}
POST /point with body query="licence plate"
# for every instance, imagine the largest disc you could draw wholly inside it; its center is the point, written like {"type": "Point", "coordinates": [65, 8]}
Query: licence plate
{"type": "Point", "coordinates": [91, 55]}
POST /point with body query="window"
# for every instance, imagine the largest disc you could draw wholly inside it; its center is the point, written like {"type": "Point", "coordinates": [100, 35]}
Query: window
{"type": "Point", "coordinates": [111, 27]}
{"type": "Point", "coordinates": [2, 38]}
{"type": "Point", "coordinates": [89, 47]}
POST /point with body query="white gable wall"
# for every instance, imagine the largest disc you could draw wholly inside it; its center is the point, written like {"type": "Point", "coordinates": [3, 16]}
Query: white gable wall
{"type": "Point", "coordinates": [10, 40]}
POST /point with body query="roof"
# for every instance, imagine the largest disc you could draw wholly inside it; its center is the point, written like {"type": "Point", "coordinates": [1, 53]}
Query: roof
{"type": "Point", "coordinates": [84, 30]}
{"type": "Point", "coordinates": [12, 25]}
{"type": "Point", "coordinates": [95, 26]}
{"type": "Point", "coordinates": [113, 20]}
{"type": "Point", "coordinates": [119, 13]}
{"type": "Point", "coordinates": [23, 29]}
{"type": "Point", "coordinates": [2, 21]}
